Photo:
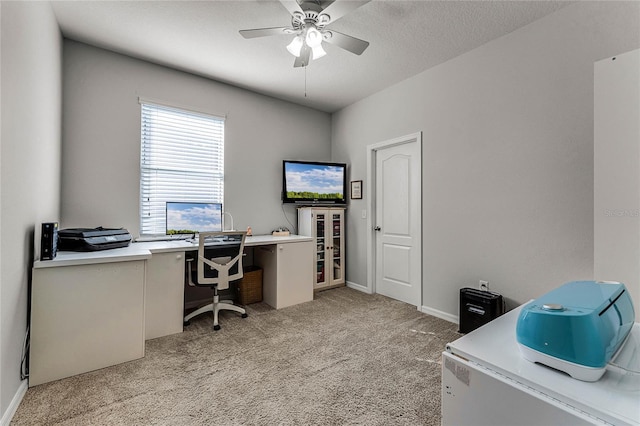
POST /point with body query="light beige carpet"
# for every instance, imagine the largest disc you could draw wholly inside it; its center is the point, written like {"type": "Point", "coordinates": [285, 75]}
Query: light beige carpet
{"type": "Point", "coordinates": [344, 358]}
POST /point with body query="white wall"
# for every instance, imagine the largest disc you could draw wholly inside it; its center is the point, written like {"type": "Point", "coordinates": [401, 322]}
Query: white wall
{"type": "Point", "coordinates": [507, 155]}
{"type": "Point", "coordinates": [31, 85]}
{"type": "Point", "coordinates": [101, 139]}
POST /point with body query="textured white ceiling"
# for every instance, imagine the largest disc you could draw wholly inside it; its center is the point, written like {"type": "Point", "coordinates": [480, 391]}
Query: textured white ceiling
{"type": "Point", "coordinates": [201, 37]}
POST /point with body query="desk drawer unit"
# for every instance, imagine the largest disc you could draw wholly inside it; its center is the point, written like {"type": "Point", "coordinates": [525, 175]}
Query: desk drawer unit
{"type": "Point", "coordinates": [287, 273]}
{"type": "Point", "coordinates": [85, 317]}
{"type": "Point", "coordinates": [164, 294]}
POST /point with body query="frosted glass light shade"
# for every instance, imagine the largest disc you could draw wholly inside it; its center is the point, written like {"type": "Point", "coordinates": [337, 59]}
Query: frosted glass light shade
{"type": "Point", "coordinates": [314, 38]}
{"type": "Point", "coordinates": [317, 52]}
{"type": "Point", "coordinates": [295, 46]}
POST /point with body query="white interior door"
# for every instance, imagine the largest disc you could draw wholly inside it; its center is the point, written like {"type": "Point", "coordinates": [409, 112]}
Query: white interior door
{"type": "Point", "coordinates": [397, 221]}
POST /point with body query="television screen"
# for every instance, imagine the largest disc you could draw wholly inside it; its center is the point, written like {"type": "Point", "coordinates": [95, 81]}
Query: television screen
{"type": "Point", "coordinates": [192, 218]}
{"type": "Point", "coordinates": [314, 182]}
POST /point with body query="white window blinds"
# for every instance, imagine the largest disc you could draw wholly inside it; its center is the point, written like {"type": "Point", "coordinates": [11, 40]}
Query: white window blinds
{"type": "Point", "coordinates": [181, 159]}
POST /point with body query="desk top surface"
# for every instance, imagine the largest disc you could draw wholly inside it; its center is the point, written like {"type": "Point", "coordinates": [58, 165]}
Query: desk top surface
{"type": "Point", "coordinates": [144, 250]}
{"type": "Point", "coordinates": [188, 245]}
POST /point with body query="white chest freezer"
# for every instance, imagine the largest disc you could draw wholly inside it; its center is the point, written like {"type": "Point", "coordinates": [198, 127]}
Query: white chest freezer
{"type": "Point", "coordinates": [486, 381]}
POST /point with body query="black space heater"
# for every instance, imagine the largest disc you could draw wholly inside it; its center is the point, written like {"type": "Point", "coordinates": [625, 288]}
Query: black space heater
{"type": "Point", "coordinates": [478, 307]}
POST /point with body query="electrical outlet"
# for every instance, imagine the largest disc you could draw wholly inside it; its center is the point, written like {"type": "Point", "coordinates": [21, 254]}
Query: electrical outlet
{"type": "Point", "coordinates": [483, 285]}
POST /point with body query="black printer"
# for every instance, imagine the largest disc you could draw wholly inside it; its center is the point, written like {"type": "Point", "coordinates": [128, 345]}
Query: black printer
{"type": "Point", "coordinates": [92, 239]}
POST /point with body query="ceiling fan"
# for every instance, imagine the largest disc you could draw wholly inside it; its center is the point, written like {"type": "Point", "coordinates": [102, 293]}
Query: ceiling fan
{"type": "Point", "coordinates": [309, 19]}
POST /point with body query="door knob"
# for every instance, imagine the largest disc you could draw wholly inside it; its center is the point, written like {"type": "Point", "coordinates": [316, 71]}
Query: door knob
{"type": "Point", "coordinates": [377, 228]}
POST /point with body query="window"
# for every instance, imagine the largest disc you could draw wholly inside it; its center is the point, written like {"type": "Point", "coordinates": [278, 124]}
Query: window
{"type": "Point", "coordinates": [181, 159]}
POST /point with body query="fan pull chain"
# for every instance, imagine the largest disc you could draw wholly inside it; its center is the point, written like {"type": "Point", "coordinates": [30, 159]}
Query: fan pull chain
{"type": "Point", "coordinates": [305, 81]}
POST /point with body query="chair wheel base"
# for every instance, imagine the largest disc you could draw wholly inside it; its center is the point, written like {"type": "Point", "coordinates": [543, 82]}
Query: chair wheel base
{"type": "Point", "coordinates": [216, 327]}
{"type": "Point", "coordinates": [244, 315]}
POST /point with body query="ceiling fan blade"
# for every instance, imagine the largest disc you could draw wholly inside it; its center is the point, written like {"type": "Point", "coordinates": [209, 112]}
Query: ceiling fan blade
{"type": "Point", "coordinates": [263, 32]}
{"type": "Point", "coordinates": [303, 59]}
{"type": "Point", "coordinates": [338, 8]}
{"type": "Point", "coordinates": [291, 5]}
{"type": "Point", "coordinates": [352, 44]}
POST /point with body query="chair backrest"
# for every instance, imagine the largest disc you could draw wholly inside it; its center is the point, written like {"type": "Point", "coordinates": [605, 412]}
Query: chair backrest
{"type": "Point", "coordinates": [220, 257]}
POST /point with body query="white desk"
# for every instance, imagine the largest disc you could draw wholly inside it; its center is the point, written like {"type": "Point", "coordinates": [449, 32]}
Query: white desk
{"type": "Point", "coordinates": [287, 278]}
{"type": "Point", "coordinates": [96, 309]}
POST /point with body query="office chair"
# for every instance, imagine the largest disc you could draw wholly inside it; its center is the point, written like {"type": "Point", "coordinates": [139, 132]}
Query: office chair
{"type": "Point", "coordinates": [219, 263]}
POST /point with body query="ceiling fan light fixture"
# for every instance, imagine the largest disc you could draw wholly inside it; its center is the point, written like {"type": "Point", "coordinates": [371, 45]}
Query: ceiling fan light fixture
{"type": "Point", "coordinates": [295, 46]}
{"type": "Point", "coordinates": [314, 37]}
{"type": "Point", "coordinates": [317, 52]}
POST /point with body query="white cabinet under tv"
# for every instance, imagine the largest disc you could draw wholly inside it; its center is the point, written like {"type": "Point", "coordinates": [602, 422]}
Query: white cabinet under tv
{"type": "Point", "coordinates": [326, 226]}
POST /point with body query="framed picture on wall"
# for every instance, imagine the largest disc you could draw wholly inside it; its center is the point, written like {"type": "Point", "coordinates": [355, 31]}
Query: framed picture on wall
{"type": "Point", "coordinates": [356, 189]}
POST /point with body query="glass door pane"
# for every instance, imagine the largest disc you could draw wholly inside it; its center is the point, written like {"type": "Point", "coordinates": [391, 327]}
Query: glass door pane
{"type": "Point", "coordinates": [337, 244]}
{"type": "Point", "coordinates": [320, 245]}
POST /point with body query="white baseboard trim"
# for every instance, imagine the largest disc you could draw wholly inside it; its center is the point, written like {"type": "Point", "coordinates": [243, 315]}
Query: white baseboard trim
{"type": "Point", "coordinates": [440, 314]}
{"type": "Point", "coordinates": [424, 309]}
{"type": "Point", "coordinates": [15, 403]}
{"type": "Point", "coordinates": [359, 287]}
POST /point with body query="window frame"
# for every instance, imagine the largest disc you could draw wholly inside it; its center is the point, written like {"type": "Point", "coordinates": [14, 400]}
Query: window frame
{"type": "Point", "coordinates": [170, 158]}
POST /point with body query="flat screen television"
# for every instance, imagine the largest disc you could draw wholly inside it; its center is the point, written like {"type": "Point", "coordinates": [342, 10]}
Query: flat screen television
{"type": "Point", "coordinates": [193, 218]}
{"type": "Point", "coordinates": [308, 182]}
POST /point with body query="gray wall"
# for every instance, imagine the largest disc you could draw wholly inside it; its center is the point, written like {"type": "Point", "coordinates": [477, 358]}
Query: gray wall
{"type": "Point", "coordinates": [617, 172]}
{"type": "Point", "coordinates": [507, 155]}
{"type": "Point", "coordinates": [31, 86]}
{"type": "Point", "coordinates": [101, 139]}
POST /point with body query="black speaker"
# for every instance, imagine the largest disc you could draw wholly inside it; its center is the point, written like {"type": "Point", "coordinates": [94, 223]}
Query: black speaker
{"type": "Point", "coordinates": [49, 241]}
{"type": "Point", "coordinates": [478, 307]}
